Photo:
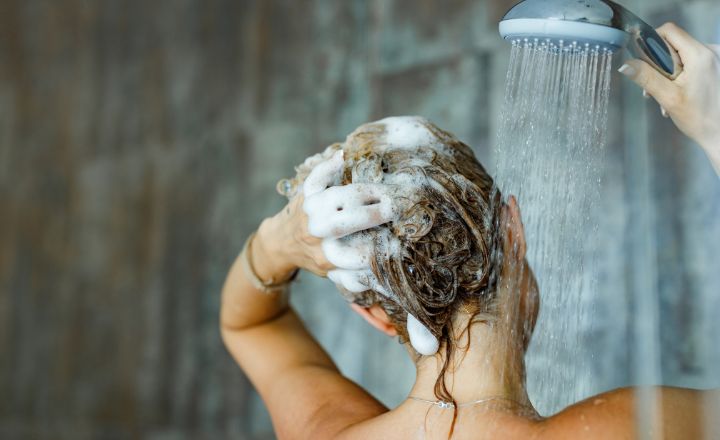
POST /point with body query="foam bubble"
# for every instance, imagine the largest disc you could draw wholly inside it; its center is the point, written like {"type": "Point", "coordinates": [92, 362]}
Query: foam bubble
{"type": "Point", "coordinates": [346, 216]}
{"type": "Point", "coordinates": [351, 252]}
{"type": "Point", "coordinates": [420, 337]}
{"type": "Point", "coordinates": [411, 133]}
{"type": "Point", "coordinates": [407, 132]}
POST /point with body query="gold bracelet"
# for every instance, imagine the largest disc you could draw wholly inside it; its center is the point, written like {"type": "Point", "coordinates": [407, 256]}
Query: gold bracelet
{"type": "Point", "coordinates": [268, 287]}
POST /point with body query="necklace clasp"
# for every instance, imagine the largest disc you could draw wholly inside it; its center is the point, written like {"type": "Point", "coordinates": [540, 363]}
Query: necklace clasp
{"type": "Point", "coordinates": [444, 405]}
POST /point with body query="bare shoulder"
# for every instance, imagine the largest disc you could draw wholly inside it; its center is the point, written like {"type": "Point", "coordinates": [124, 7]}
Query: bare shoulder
{"type": "Point", "coordinates": [606, 415]}
{"type": "Point", "coordinates": [613, 415]}
{"type": "Point", "coordinates": [610, 415]}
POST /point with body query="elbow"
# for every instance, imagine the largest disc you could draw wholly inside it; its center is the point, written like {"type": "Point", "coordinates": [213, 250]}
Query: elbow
{"type": "Point", "coordinates": [232, 336]}
{"type": "Point", "coordinates": [233, 319]}
{"type": "Point", "coordinates": [230, 326]}
{"type": "Point", "coordinates": [226, 331]}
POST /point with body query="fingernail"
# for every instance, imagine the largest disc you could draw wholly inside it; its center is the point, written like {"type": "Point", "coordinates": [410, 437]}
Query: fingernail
{"type": "Point", "coordinates": [645, 94]}
{"type": "Point", "coordinates": [627, 70]}
{"type": "Point", "coordinates": [663, 112]}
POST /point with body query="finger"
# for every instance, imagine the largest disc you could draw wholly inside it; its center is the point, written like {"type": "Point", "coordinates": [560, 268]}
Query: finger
{"type": "Point", "coordinates": [352, 280]}
{"type": "Point", "coordinates": [664, 90]}
{"type": "Point", "coordinates": [357, 281]}
{"type": "Point", "coordinates": [339, 198]}
{"type": "Point", "coordinates": [351, 252]}
{"type": "Point", "coordinates": [319, 272]}
{"type": "Point", "coordinates": [685, 45]}
{"type": "Point", "coordinates": [324, 174]}
{"type": "Point", "coordinates": [350, 221]}
{"type": "Point", "coordinates": [343, 210]}
{"type": "Point", "coordinates": [311, 162]}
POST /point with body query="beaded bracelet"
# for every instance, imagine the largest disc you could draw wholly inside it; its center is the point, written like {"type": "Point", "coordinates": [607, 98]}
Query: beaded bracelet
{"type": "Point", "coordinates": [267, 287]}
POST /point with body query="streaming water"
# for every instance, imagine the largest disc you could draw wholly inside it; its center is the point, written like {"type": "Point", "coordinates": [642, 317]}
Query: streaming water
{"type": "Point", "coordinates": [549, 154]}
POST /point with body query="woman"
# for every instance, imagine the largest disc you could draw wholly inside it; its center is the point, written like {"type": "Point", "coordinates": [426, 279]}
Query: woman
{"type": "Point", "coordinates": [416, 237]}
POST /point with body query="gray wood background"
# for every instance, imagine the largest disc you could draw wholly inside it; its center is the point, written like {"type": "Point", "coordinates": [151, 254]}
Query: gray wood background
{"type": "Point", "coordinates": [140, 143]}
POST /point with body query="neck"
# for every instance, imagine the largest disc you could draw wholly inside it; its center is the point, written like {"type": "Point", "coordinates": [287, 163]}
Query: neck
{"type": "Point", "coordinates": [490, 367]}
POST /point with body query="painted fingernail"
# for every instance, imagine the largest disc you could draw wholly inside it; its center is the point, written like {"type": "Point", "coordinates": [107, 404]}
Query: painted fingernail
{"type": "Point", "coordinates": [627, 70]}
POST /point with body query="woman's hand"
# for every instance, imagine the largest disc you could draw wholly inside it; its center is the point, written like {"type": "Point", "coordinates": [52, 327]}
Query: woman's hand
{"type": "Point", "coordinates": [692, 100]}
{"type": "Point", "coordinates": [323, 212]}
{"type": "Point", "coordinates": [283, 244]}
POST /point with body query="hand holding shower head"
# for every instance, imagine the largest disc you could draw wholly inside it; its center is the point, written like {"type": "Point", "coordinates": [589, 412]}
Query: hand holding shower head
{"type": "Point", "coordinates": [597, 22]}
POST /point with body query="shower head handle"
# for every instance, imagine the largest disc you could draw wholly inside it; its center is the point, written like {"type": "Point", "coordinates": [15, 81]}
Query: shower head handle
{"type": "Point", "coordinates": [553, 18]}
{"type": "Point", "coordinates": [645, 43]}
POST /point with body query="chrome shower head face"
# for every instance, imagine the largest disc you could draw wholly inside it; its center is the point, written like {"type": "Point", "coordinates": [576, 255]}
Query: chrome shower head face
{"type": "Point", "coordinates": [562, 22]}
{"type": "Point", "coordinates": [596, 23]}
{"type": "Point", "coordinates": [563, 35]}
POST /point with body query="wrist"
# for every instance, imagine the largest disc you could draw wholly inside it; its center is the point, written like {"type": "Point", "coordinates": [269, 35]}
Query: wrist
{"type": "Point", "coordinates": [268, 254]}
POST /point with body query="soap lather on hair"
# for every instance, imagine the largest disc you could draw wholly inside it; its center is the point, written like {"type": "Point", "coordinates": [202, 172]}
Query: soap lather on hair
{"type": "Point", "coordinates": [391, 203]}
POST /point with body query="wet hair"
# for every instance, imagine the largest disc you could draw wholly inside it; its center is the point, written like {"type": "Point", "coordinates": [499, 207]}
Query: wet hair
{"type": "Point", "coordinates": [448, 252]}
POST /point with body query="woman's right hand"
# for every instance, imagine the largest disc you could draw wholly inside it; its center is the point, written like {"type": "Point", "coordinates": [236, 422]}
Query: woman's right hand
{"type": "Point", "coordinates": [692, 100]}
{"type": "Point", "coordinates": [323, 212]}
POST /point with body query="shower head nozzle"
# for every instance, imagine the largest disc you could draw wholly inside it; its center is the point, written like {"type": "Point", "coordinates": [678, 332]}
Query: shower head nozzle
{"type": "Point", "coordinates": [561, 32]}
{"type": "Point", "coordinates": [600, 23]}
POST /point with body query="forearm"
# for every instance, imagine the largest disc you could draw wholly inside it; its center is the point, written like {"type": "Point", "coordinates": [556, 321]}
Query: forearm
{"type": "Point", "coordinates": [258, 328]}
{"type": "Point", "coordinates": [243, 305]}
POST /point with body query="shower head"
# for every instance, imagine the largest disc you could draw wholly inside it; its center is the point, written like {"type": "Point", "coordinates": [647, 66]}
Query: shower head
{"type": "Point", "coordinates": [601, 23]}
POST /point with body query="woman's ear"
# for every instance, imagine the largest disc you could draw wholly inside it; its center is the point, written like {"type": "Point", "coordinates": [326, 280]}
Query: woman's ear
{"type": "Point", "coordinates": [377, 317]}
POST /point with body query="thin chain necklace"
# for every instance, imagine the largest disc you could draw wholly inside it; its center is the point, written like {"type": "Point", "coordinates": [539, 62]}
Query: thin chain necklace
{"type": "Point", "coordinates": [447, 405]}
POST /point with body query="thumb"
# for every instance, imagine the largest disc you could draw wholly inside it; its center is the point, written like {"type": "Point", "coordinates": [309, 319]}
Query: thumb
{"type": "Point", "coordinates": [661, 88]}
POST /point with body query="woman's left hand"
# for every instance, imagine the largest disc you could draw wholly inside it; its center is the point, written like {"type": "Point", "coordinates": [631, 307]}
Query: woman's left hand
{"type": "Point", "coordinates": [692, 100]}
